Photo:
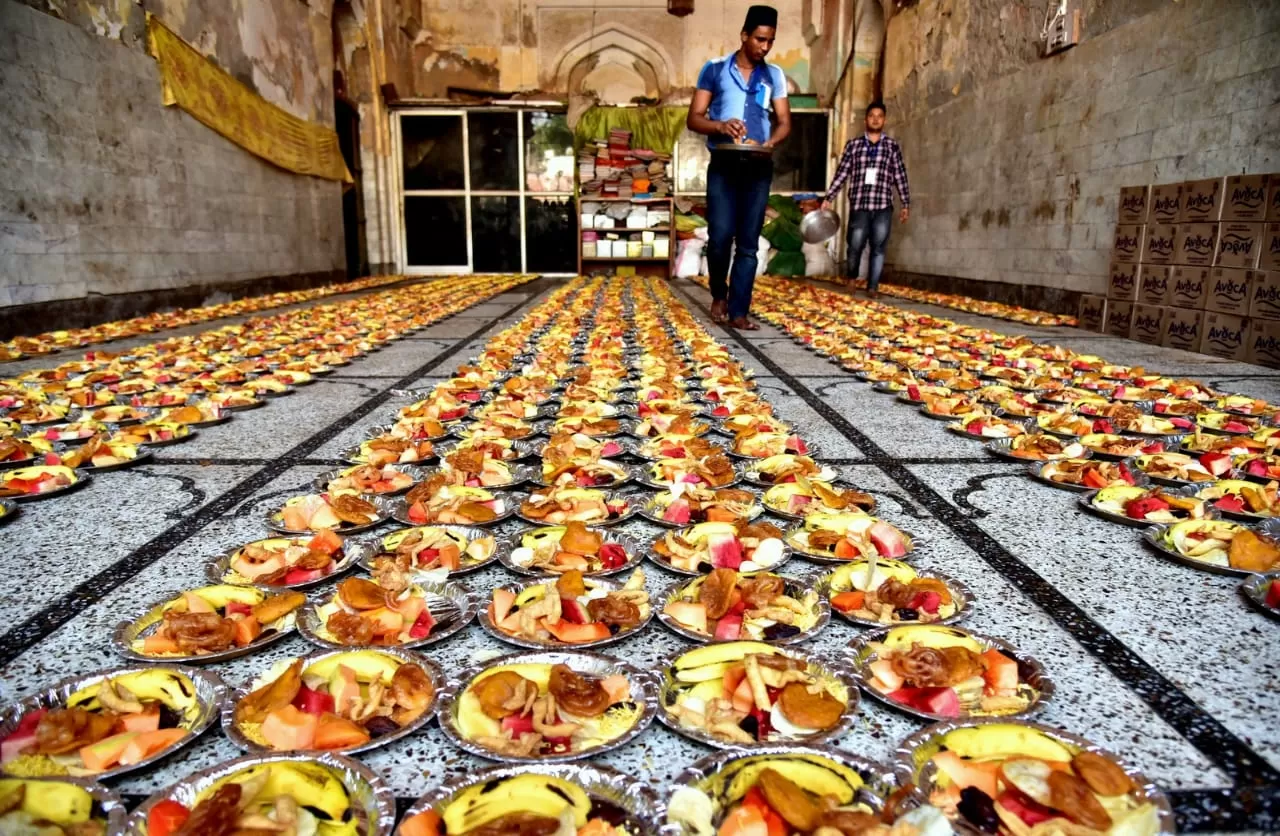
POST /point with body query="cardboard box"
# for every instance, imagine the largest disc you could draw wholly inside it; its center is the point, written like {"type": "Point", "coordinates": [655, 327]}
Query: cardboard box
{"type": "Point", "coordinates": [1264, 343]}
{"type": "Point", "coordinates": [1160, 244]}
{"type": "Point", "coordinates": [1148, 324]}
{"type": "Point", "coordinates": [1123, 281]}
{"type": "Point", "coordinates": [1153, 284]}
{"type": "Point", "coordinates": [1126, 247]}
{"type": "Point", "coordinates": [1182, 329]}
{"type": "Point", "coordinates": [1229, 291]}
{"type": "Point", "coordinates": [1225, 336]}
{"type": "Point", "coordinates": [1238, 245]}
{"type": "Point", "coordinates": [1165, 203]}
{"type": "Point", "coordinates": [1265, 295]}
{"type": "Point", "coordinates": [1202, 200]}
{"type": "Point", "coordinates": [1269, 248]}
{"type": "Point", "coordinates": [1245, 198]}
{"type": "Point", "coordinates": [1273, 197]}
{"type": "Point", "coordinates": [1133, 204]}
{"type": "Point", "coordinates": [1189, 287]}
{"type": "Point", "coordinates": [1093, 313]}
{"type": "Point", "coordinates": [1197, 244]}
{"type": "Point", "coordinates": [1119, 318]}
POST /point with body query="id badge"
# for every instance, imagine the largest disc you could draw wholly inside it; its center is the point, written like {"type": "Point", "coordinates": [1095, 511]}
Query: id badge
{"type": "Point", "coordinates": [869, 177]}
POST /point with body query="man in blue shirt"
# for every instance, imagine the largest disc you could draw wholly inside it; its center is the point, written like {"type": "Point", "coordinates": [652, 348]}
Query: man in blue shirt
{"type": "Point", "coordinates": [732, 106]}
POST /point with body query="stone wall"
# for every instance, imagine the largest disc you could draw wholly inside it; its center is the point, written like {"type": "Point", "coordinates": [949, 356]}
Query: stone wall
{"type": "Point", "coordinates": [108, 193]}
{"type": "Point", "coordinates": [1015, 161]}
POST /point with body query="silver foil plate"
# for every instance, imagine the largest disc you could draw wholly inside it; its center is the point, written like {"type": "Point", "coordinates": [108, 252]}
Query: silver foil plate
{"type": "Point", "coordinates": [434, 672]}
{"type": "Point", "coordinates": [827, 473]}
{"type": "Point", "coordinates": [713, 774]}
{"type": "Point", "coordinates": [209, 693]}
{"type": "Point", "coordinates": [111, 806]}
{"type": "Point", "coordinates": [961, 595]}
{"type": "Point", "coordinates": [915, 545]}
{"type": "Point", "coordinates": [913, 766]}
{"type": "Point", "coordinates": [1254, 590]}
{"type": "Point", "coordinates": [373, 803]}
{"type": "Point", "coordinates": [634, 548]}
{"type": "Point", "coordinates": [383, 429]}
{"type": "Point", "coordinates": [400, 513]}
{"type": "Point", "coordinates": [452, 605]}
{"type": "Point", "coordinates": [127, 632]}
{"type": "Point", "coordinates": [662, 560]}
{"type": "Point", "coordinates": [653, 508]}
{"type": "Point", "coordinates": [377, 547]}
{"type": "Point", "coordinates": [321, 482]}
{"type": "Point", "coordinates": [794, 588]}
{"type": "Point", "coordinates": [383, 505]}
{"type": "Point", "coordinates": [82, 478]}
{"type": "Point", "coordinates": [219, 568]}
{"type": "Point", "coordinates": [1085, 501]}
{"type": "Point", "coordinates": [1003, 447]}
{"type": "Point", "coordinates": [829, 668]}
{"type": "Point", "coordinates": [645, 811]}
{"type": "Point", "coordinates": [633, 502]}
{"type": "Point", "coordinates": [1030, 671]}
{"type": "Point", "coordinates": [628, 473]}
{"type": "Point", "coordinates": [1154, 537]}
{"type": "Point", "coordinates": [486, 618]}
{"type": "Point", "coordinates": [643, 693]}
{"type": "Point", "coordinates": [1036, 470]}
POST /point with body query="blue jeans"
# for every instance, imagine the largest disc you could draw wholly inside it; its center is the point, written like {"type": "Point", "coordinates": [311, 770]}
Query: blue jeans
{"type": "Point", "coordinates": [737, 193]}
{"type": "Point", "coordinates": [873, 223]}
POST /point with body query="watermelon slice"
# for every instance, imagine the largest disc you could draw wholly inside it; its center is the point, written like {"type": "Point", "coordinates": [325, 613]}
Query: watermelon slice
{"type": "Point", "coordinates": [677, 513]}
{"type": "Point", "coordinates": [887, 540]}
{"type": "Point", "coordinates": [726, 551]}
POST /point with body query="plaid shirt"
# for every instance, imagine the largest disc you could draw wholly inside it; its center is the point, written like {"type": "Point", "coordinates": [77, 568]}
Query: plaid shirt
{"type": "Point", "coordinates": [859, 155]}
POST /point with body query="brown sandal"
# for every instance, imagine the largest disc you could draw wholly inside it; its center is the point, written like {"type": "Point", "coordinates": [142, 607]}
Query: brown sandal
{"type": "Point", "coordinates": [744, 324]}
{"type": "Point", "coordinates": [720, 311]}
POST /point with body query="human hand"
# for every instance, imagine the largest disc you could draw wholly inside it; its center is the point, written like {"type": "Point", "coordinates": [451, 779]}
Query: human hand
{"type": "Point", "coordinates": [903, 215]}
{"type": "Point", "coordinates": [733, 128]}
{"type": "Point", "coordinates": [826, 206]}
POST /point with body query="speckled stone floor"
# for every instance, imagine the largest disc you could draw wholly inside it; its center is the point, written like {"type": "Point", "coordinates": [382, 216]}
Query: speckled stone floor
{"type": "Point", "coordinates": [1166, 665]}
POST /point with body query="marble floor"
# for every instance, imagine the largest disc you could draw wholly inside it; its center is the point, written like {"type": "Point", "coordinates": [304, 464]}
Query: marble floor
{"type": "Point", "coordinates": [1165, 665]}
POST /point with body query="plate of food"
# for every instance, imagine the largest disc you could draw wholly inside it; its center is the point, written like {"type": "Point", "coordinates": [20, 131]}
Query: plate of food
{"type": "Point", "coordinates": [1238, 499]}
{"type": "Point", "coordinates": [687, 505]}
{"type": "Point", "coordinates": [579, 447]}
{"type": "Point", "coordinates": [1218, 546]}
{"type": "Point", "coordinates": [155, 433]}
{"type": "Point", "coordinates": [1087, 474]}
{"type": "Point", "coordinates": [1119, 447]}
{"type": "Point", "coordinates": [727, 605]}
{"type": "Point", "coordinates": [676, 447]}
{"type": "Point", "coordinates": [198, 413]}
{"type": "Point", "coordinates": [73, 433]}
{"type": "Point", "coordinates": [108, 723]}
{"type": "Point", "coordinates": [344, 701]}
{"type": "Point", "coordinates": [411, 429]}
{"type": "Point", "coordinates": [713, 471]}
{"type": "Point", "coordinates": [787, 468]}
{"type": "Point", "coordinates": [586, 798]}
{"type": "Point", "coordinates": [208, 624]}
{"type": "Point", "coordinates": [547, 707]}
{"type": "Point", "coordinates": [42, 481]}
{"type": "Point", "coordinates": [470, 467]}
{"type": "Point", "coordinates": [559, 505]}
{"type": "Point", "coordinates": [19, 452]}
{"type": "Point", "coordinates": [944, 672]}
{"type": "Point", "coordinates": [370, 480]}
{"type": "Point", "coordinates": [837, 538]}
{"type": "Point", "coordinates": [886, 593]}
{"type": "Point", "coordinates": [431, 549]}
{"type": "Point", "coordinates": [1199, 443]}
{"type": "Point", "coordinates": [990, 425]}
{"type": "Point", "coordinates": [1001, 777]}
{"type": "Point", "coordinates": [1261, 468]}
{"type": "Point", "coordinates": [745, 694]}
{"type": "Point", "coordinates": [393, 609]}
{"type": "Point", "coordinates": [1144, 506]}
{"type": "Point", "coordinates": [602, 473]}
{"type": "Point", "coordinates": [434, 501]}
{"type": "Point", "coordinates": [567, 611]}
{"type": "Point", "coordinates": [494, 448]}
{"type": "Point", "coordinates": [59, 807]}
{"type": "Point", "coordinates": [556, 549]}
{"type": "Point", "coordinates": [802, 790]}
{"type": "Point", "coordinates": [385, 450]}
{"type": "Point", "coordinates": [344, 513]}
{"type": "Point", "coordinates": [700, 548]}
{"type": "Point", "coordinates": [1263, 591]}
{"type": "Point", "coordinates": [1038, 447]}
{"type": "Point", "coordinates": [1226, 423]}
{"type": "Point", "coordinates": [796, 500]}
{"type": "Point", "coordinates": [1181, 469]}
{"type": "Point", "coordinates": [313, 790]}
{"type": "Point", "coordinates": [287, 562]}
{"type": "Point", "coordinates": [749, 444]}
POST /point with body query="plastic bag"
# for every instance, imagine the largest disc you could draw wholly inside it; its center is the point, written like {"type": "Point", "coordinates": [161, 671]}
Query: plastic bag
{"type": "Point", "coordinates": [818, 260]}
{"type": "Point", "coordinates": [689, 258]}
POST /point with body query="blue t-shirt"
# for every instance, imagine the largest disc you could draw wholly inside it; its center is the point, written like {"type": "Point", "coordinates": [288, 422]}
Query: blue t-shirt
{"type": "Point", "coordinates": [728, 88]}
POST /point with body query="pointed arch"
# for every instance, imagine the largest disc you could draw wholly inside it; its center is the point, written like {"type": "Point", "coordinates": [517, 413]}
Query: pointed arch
{"type": "Point", "coordinates": [616, 53]}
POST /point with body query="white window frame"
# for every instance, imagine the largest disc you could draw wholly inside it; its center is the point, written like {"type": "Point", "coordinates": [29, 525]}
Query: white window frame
{"type": "Point", "coordinates": [675, 162]}
{"type": "Point", "coordinates": [466, 192]}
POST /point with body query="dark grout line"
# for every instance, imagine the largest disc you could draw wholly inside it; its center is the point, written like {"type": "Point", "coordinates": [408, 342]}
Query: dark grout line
{"type": "Point", "coordinates": [25, 635]}
{"type": "Point", "coordinates": [1245, 767]}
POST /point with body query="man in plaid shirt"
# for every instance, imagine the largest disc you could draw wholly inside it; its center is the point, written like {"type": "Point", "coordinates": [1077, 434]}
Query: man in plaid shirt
{"type": "Point", "coordinates": [873, 165]}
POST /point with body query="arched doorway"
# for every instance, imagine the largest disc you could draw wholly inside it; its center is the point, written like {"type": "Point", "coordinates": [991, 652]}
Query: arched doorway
{"type": "Point", "coordinates": [615, 64]}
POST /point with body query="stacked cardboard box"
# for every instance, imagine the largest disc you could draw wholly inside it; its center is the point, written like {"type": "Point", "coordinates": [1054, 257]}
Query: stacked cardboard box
{"type": "Point", "coordinates": [1114, 314]}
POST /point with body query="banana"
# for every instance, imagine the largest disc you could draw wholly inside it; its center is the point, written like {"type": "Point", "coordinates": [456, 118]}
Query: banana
{"type": "Point", "coordinates": [311, 785]}
{"type": "Point", "coordinates": [535, 672]}
{"type": "Point", "coordinates": [702, 531]}
{"type": "Point", "coordinates": [725, 652]}
{"type": "Point", "coordinates": [54, 801]}
{"type": "Point", "coordinates": [541, 795]}
{"type": "Point", "coordinates": [171, 689]}
{"type": "Point", "coordinates": [853, 575]}
{"type": "Point", "coordinates": [530, 594]}
{"type": "Point", "coordinates": [817, 775]}
{"type": "Point", "coordinates": [930, 635]}
{"type": "Point", "coordinates": [703, 673]}
{"type": "Point", "coordinates": [1003, 740]}
{"type": "Point", "coordinates": [222, 594]}
{"type": "Point", "coordinates": [369, 666]}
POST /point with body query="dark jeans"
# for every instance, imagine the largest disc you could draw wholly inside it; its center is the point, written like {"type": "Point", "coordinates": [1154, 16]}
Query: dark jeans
{"type": "Point", "coordinates": [873, 224]}
{"type": "Point", "coordinates": [737, 193]}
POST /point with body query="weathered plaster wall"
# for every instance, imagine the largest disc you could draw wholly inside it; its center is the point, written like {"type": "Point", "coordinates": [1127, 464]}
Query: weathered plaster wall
{"type": "Point", "coordinates": [106, 192]}
{"type": "Point", "coordinates": [1015, 162]}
